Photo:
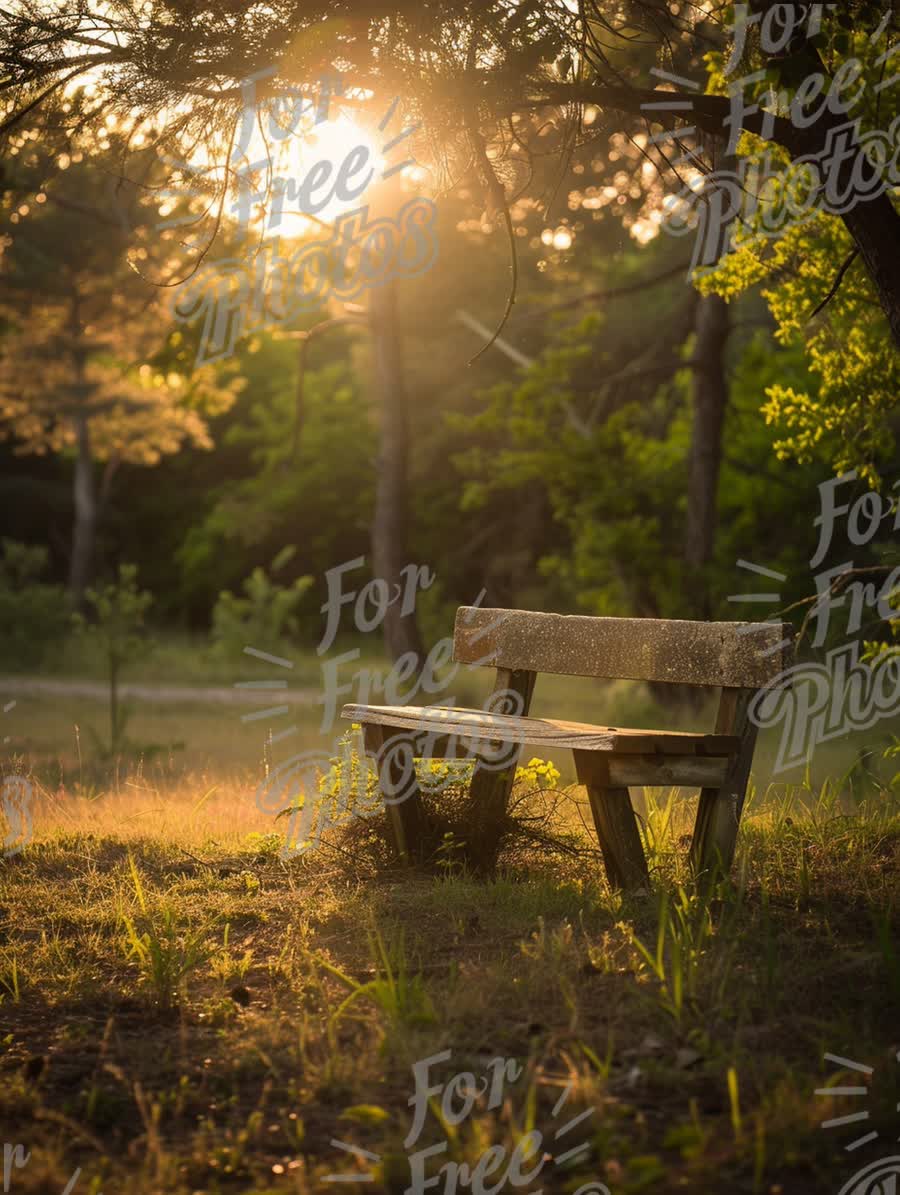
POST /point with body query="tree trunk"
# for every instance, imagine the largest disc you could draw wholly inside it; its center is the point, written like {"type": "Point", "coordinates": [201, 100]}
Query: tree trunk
{"type": "Point", "coordinates": [875, 228]}
{"type": "Point", "coordinates": [710, 397]}
{"type": "Point", "coordinates": [389, 527]}
{"type": "Point", "coordinates": [84, 531]}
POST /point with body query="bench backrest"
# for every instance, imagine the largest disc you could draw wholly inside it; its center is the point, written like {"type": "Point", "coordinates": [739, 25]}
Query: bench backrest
{"type": "Point", "coordinates": [731, 654]}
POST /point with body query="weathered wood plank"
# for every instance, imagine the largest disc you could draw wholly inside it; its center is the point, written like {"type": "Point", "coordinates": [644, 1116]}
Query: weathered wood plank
{"type": "Point", "coordinates": [620, 840]}
{"type": "Point", "coordinates": [491, 784]}
{"type": "Point", "coordinates": [731, 654]}
{"type": "Point", "coordinates": [651, 770]}
{"type": "Point", "coordinates": [407, 818]}
{"type": "Point", "coordinates": [616, 825]}
{"type": "Point", "coordinates": [654, 771]}
{"type": "Point", "coordinates": [539, 732]}
{"type": "Point", "coordinates": [719, 811]}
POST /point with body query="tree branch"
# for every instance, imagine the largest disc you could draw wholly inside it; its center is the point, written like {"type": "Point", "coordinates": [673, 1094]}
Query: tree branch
{"type": "Point", "coordinates": [615, 292]}
{"type": "Point", "coordinates": [835, 286]}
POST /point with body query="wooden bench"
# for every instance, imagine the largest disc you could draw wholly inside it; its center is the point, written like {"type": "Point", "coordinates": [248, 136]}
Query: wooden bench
{"type": "Point", "coordinates": [737, 658]}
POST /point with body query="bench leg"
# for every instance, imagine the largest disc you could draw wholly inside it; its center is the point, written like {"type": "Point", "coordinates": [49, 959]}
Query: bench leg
{"type": "Point", "coordinates": [615, 823]}
{"type": "Point", "coordinates": [719, 810]}
{"type": "Point", "coordinates": [406, 815]}
{"type": "Point", "coordinates": [490, 787]}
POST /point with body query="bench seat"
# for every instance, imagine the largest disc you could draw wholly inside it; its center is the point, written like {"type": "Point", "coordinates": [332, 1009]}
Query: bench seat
{"type": "Point", "coordinates": [636, 757]}
{"type": "Point", "coordinates": [541, 732]}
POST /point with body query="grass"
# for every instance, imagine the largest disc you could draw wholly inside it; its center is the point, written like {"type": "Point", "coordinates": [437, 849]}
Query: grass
{"type": "Point", "coordinates": [184, 1010]}
{"type": "Point", "coordinates": [167, 950]}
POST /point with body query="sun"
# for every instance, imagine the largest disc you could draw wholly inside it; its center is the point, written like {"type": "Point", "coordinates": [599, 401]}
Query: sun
{"type": "Point", "coordinates": [291, 170]}
{"type": "Point", "coordinates": [313, 171]}
{"type": "Point", "coordinates": [290, 181]}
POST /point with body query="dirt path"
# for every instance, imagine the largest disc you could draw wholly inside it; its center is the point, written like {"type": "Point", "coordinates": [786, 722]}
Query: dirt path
{"type": "Point", "coordinates": [25, 686]}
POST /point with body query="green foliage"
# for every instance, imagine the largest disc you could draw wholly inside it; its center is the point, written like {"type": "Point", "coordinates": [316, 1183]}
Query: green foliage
{"type": "Point", "coordinates": [33, 613]}
{"type": "Point", "coordinates": [766, 511]}
{"type": "Point", "coordinates": [118, 610]}
{"type": "Point", "coordinates": [843, 411]}
{"type": "Point", "coordinates": [278, 482]}
{"type": "Point", "coordinates": [617, 488]}
{"type": "Point", "coordinates": [265, 617]}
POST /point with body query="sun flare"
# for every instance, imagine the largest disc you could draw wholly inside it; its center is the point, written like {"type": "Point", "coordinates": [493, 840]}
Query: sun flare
{"type": "Point", "coordinates": [324, 153]}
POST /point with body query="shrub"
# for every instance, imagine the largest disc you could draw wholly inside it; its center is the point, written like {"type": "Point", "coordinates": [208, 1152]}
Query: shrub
{"type": "Point", "coordinates": [264, 617]}
{"type": "Point", "coordinates": [118, 611]}
{"type": "Point", "coordinates": [347, 805]}
{"type": "Point", "coordinates": [33, 613]}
